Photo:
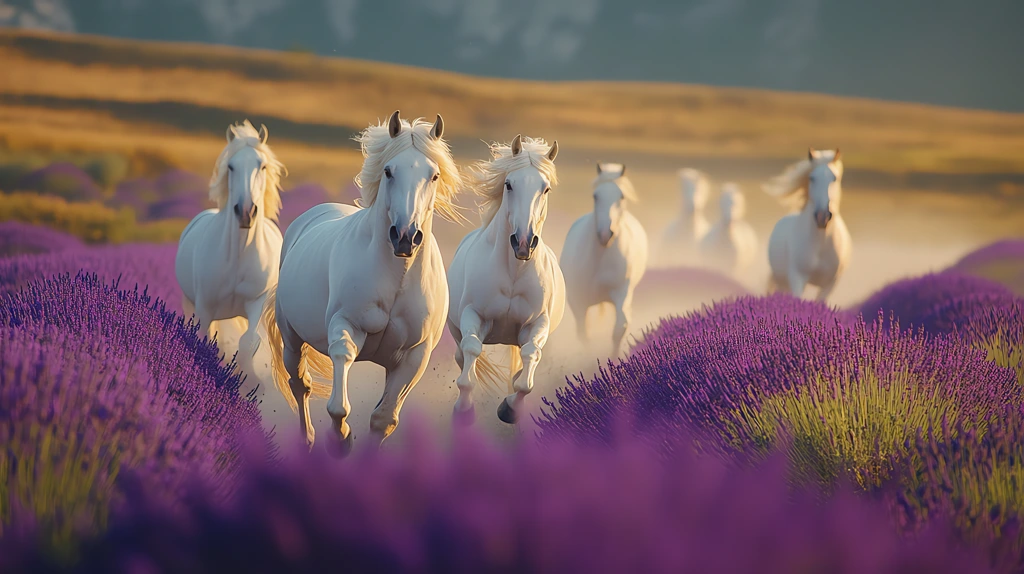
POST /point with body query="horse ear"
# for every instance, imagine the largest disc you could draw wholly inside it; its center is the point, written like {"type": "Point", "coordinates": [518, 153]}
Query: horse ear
{"type": "Point", "coordinates": [598, 168]}
{"type": "Point", "coordinates": [394, 125]}
{"type": "Point", "coordinates": [622, 171]}
{"type": "Point", "coordinates": [517, 144]}
{"type": "Point", "coordinates": [553, 152]}
{"type": "Point", "coordinates": [810, 154]}
{"type": "Point", "coordinates": [230, 134]}
{"type": "Point", "coordinates": [263, 133]}
{"type": "Point", "coordinates": [438, 130]}
{"type": "Point", "coordinates": [836, 157]}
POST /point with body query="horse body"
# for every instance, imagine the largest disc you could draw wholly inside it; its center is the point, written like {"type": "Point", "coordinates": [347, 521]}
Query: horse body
{"type": "Point", "coordinates": [812, 246]}
{"type": "Point", "coordinates": [227, 258]}
{"type": "Point", "coordinates": [605, 255]}
{"type": "Point", "coordinates": [501, 294]}
{"type": "Point", "coordinates": [366, 284]}
{"type": "Point", "coordinates": [731, 244]}
{"type": "Point", "coordinates": [680, 240]}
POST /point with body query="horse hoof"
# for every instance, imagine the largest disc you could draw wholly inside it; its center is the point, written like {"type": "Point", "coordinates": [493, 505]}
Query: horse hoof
{"type": "Point", "coordinates": [341, 447]}
{"type": "Point", "coordinates": [506, 413]}
{"type": "Point", "coordinates": [464, 418]}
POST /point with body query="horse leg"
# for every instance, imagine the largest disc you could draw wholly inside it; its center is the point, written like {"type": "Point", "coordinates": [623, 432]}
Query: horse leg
{"type": "Point", "coordinates": [299, 380]}
{"type": "Point", "coordinates": [345, 342]}
{"type": "Point", "coordinates": [579, 311]}
{"type": "Point", "coordinates": [532, 339]}
{"type": "Point", "coordinates": [460, 418]}
{"type": "Point", "coordinates": [470, 347]}
{"type": "Point", "coordinates": [623, 300]}
{"type": "Point", "coordinates": [826, 289]}
{"type": "Point", "coordinates": [401, 378]}
{"type": "Point", "coordinates": [249, 342]}
{"type": "Point", "coordinates": [797, 283]}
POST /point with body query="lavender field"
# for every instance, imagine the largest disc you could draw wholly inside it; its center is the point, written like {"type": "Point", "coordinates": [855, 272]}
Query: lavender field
{"type": "Point", "coordinates": [753, 434]}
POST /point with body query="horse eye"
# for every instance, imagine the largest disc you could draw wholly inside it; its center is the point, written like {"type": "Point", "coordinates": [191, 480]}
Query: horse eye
{"type": "Point", "coordinates": [231, 168]}
{"type": "Point", "coordinates": [508, 185]}
{"type": "Point", "coordinates": [263, 167]}
{"type": "Point", "coordinates": [546, 190]}
{"type": "Point", "coordinates": [387, 172]}
{"type": "Point", "coordinates": [434, 178]}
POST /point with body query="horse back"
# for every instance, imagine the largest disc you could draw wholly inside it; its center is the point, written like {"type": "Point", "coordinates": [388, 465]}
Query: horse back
{"type": "Point", "coordinates": [311, 218]}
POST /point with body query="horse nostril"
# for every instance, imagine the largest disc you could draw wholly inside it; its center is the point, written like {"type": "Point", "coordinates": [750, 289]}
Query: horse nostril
{"type": "Point", "coordinates": [828, 216]}
{"type": "Point", "coordinates": [238, 209]}
{"type": "Point", "coordinates": [417, 237]}
{"type": "Point", "coordinates": [393, 233]}
{"type": "Point", "coordinates": [252, 212]}
{"type": "Point", "coordinates": [514, 241]}
{"type": "Point", "coordinates": [534, 242]}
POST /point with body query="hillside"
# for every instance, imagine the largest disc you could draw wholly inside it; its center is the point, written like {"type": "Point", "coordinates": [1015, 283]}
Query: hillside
{"type": "Point", "coordinates": [169, 103]}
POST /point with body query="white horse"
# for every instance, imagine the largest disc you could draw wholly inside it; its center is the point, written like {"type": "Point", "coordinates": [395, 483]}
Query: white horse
{"type": "Point", "coordinates": [505, 284]}
{"type": "Point", "coordinates": [731, 244]}
{"type": "Point", "coordinates": [681, 237]}
{"type": "Point", "coordinates": [811, 246]}
{"type": "Point", "coordinates": [227, 257]}
{"type": "Point", "coordinates": [366, 282]}
{"type": "Point", "coordinates": [605, 254]}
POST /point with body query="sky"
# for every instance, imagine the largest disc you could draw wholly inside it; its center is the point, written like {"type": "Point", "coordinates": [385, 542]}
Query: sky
{"type": "Point", "coordinates": [945, 52]}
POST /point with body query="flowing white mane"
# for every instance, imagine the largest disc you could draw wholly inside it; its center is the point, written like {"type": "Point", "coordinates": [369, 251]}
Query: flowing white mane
{"type": "Point", "coordinates": [379, 147]}
{"type": "Point", "coordinates": [610, 173]}
{"type": "Point", "coordinates": [246, 135]}
{"type": "Point", "coordinates": [790, 187]}
{"type": "Point", "coordinates": [488, 177]}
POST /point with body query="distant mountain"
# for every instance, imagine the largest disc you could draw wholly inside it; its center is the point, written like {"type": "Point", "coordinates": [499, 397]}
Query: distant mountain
{"type": "Point", "coordinates": [947, 52]}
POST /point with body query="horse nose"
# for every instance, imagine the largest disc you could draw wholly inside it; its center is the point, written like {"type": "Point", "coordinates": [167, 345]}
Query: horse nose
{"type": "Point", "coordinates": [822, 218]}
{"type": "Point", "coordinates": [605, 237]}
{"type": "Point", "coordinates": [524, 246]}
{"type": "Point", "coordinates": [405, 240]}
{"type": "Point", "coordinates": [245, 217]}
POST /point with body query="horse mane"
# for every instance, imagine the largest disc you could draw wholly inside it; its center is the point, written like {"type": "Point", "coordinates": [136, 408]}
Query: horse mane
{"type": "Point", "coordinates": [379, 147]}
{"type": "Point", "coordinates": [610, 174]}
{"type": "Point", "coordinates": [247, 135]}
{"type": "Point", "coordinates": [488, 177]}
{"type": "Point", "coordinates": [790, 186]}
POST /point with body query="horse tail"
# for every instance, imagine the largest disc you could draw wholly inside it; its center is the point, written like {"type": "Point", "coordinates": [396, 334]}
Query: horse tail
{"type": "Point", "coordinates": [278, 372]}
{"type": "Point", "coordinates": [493, 377]}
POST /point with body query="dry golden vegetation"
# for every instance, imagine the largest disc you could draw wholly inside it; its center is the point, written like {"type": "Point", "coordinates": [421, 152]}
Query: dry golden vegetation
{"type": "Point", "coordinates": [162, 103]}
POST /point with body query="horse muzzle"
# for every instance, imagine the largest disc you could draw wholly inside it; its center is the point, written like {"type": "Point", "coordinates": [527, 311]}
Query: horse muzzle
{"type": "Point", "coordinates": [605, 237]}
{"type": "Point", "coordinates": [822, 218]}
{"type": "Point", "coordinates": [406, 240]}
{"type": "Point", "coordinates": [523, 247]}
{"type": "Point", "coordinates": [245, 217]}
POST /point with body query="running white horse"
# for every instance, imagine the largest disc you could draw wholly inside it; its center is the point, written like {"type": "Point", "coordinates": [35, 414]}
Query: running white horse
{"type": "Point", "coordinates": [731, 244]}
{"type": "Point", "coordinates": [811, 246]}
{"type": "Point", "coordinates": [228, 256]}
{"type": "Point", "coordinates": [366, 282]}
{"type": "Point", "coordinates": [680, 240]}
{"type": "Point", "coordinates": [605, 254]}
{"type": "Point", "coordinates": [505, 284]}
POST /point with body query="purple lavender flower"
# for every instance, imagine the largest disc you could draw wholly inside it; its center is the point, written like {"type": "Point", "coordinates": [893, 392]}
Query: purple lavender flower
{"type": "Point", "coordinates": [178, 207]}
{"type": "Point", "coordinates": [912, 301]}
{"type": "Point", "coordinates": [483, 509]}
{"type": "Point", "coordinates": [176, 182]}
{"type": "Point", "coordinates": [17, 238]}
{"type": "Point", "coordinates": [149, 267]}
{"type": "Point", "coordinates": [96, 382]}
{"type": "Point", "coordinates": [64, 180]}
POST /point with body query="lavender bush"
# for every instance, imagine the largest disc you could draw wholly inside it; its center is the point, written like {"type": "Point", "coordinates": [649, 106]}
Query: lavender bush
{"type": "Point", "coordinates": [751, 374]}
{"type": "Point", "coordinates": [481, 509]}
{"type": "Point", "coordinates": [300, 199]}
{"type": "Point", "coordinates": [18, 238]}
{"type": "Point", "coordinates": [177, 182]}
{"type": "Point", "coordinates": [178, 207]}
{"type": "Point", "coordinates": [97, 381]}
{"type": "Point", "coordinates": [149, 267]}
{"type": "Point", "coordinates": [913, 301]}
{"type": "Point", "coordinates": [64, 180]}
{"type": "Point", "coordinates": [974, 479]}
